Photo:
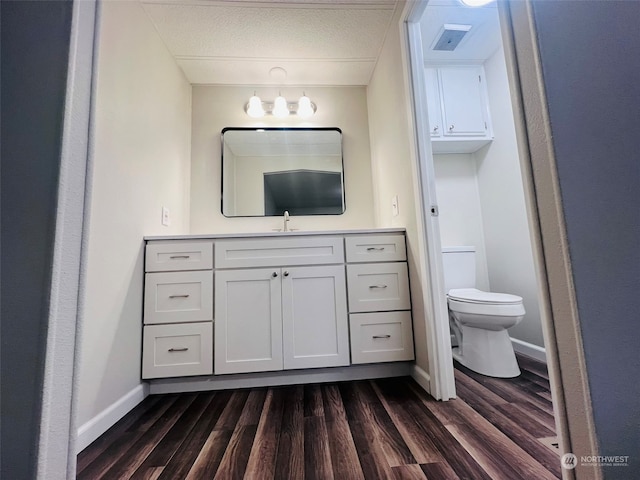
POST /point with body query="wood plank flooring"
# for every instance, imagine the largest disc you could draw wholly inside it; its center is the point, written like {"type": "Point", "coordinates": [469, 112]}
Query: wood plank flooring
{"type": "Point", "coordinates": [498, 429]}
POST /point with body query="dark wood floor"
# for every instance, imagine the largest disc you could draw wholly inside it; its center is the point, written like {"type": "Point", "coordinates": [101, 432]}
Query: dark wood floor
{"type": "Point", "coordinates": [379, 429]}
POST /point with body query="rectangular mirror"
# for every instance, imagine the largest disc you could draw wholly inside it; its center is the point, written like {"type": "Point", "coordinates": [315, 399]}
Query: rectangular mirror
{"type": "Point", "coordinates": [266, 171]}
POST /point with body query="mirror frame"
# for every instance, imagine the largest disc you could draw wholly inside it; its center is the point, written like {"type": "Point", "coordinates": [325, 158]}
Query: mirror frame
{"type": "Point", "coordinates": [284, 129]}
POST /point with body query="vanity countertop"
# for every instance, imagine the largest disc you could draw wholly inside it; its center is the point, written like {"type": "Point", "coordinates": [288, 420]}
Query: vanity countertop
{"type": "Point", "coordinates": [295, 233]}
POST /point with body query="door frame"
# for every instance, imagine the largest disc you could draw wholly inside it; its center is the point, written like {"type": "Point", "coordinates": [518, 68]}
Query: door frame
{"type": "Point", "coordinates": [56, 444]}
{"type": "Point", "coordinates": [441, 372]}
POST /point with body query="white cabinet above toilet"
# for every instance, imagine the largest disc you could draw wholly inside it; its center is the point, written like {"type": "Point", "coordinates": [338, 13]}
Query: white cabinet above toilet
{"type": "Point", "coordinates": [458, 108]}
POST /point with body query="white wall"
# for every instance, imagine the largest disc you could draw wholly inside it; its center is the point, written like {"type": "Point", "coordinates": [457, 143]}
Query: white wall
{"type": "Point", "coordinates": [461, 216]}
{"type": "Point", "coordinates": [506, 231]}
{"type": "Point", "coordinates": [394, 169]}
{"type": "Point", "coordinates": [216, 107]}
{"type": "Point", "coordinates": [141, 161]}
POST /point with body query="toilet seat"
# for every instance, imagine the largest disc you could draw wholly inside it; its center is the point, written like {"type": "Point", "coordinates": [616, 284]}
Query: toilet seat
{"type": "Point", "coordinates": [473, 295]}
{"type": "Point", "coordinates": [474, 301]}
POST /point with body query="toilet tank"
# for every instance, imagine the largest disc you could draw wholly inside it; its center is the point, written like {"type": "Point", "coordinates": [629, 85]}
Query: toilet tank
{"type": "Point", "coordinates": [459, 265]}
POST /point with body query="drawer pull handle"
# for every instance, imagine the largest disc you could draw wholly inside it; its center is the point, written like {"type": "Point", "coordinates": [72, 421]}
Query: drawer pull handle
{"type": "Point", "coordinates": [376, 249]}
{"type": "Point", "coordinates": [180, 256]}
{"type": "Point", "coordinates": [186, 295]}
{"type": "Point", "coordinates": [183, 349]}
{"type": "Point", "coordinates": [377, 286]}
{"type": "Point", "coordinates": [382, 336]}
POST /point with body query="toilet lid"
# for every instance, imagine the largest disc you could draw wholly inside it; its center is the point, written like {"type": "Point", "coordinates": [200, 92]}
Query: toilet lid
{"type": "Point", "coordinates": [473, 295]}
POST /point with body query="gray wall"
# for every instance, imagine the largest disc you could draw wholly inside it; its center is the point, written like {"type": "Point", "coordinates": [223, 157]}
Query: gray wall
{"type": "Point", "coordinates": [35, 45]}
{"type": "Point", "coordinates": [590, 54]}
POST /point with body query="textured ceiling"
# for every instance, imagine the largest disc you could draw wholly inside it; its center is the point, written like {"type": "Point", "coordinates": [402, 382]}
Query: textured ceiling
{"type": "Point", "coordinates": [317, 42]}
{"type": "Point", "coordinates": [330, 42]}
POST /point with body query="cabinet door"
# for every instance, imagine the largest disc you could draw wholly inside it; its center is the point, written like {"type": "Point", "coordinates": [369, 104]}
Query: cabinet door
{"type": "Point", "coordinates": [248, 321]}
{"type": "Point", "coordinates": [314, 311]}
{"type": "Point", "coordinates": [463, 100]}
{"type": "Point", "coordinates": [434, 108]}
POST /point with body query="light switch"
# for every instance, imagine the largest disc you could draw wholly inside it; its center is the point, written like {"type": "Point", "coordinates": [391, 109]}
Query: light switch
{"type": "Point", "coordinates": [166, 218]}
{"type": "Point", "coordinates": [394, 206]}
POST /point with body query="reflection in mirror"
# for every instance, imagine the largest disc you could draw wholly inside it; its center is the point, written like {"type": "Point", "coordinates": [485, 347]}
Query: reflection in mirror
{"type": "Point", "coordinates": [266, 171]}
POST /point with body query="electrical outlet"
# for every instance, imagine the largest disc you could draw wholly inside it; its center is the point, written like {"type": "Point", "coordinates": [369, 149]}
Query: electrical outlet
{"type": "Point", "coordinates": [394, 206]}
{"type": "Point", "coordinates": [166, 217]}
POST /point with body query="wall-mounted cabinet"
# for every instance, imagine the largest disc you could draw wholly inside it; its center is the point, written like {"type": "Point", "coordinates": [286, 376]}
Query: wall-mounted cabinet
{"type": "Point", "coordinates": [458, 108]}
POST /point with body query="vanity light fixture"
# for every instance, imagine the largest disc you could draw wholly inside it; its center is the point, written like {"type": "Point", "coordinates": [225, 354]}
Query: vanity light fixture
{"type": "Point", "coordinates": [280, 108]}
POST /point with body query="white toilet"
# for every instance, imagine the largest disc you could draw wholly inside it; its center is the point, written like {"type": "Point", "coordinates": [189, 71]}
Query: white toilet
{"type": "Point", "coordinates": [479, 320]}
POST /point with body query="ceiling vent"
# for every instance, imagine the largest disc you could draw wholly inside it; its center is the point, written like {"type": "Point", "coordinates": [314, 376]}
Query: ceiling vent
{"type": "Point", "coordinates": [450, 36]}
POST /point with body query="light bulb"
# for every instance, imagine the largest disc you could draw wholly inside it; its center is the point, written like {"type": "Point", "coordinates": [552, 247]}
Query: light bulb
{"type": "Point", "coordinates": [305, 110]}
{"type": "Point", "coordinates": [475, 3]}
{"type": "Point", "coordinates": [255, 109]}
{"type": "Point", "coordinates": [280, 108]}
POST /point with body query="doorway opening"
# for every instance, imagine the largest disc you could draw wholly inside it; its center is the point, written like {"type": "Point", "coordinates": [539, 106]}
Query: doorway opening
{"type": "Point", "coordinates": [465, 121]}
{"type": "Point", "coordinates": [472, 173]}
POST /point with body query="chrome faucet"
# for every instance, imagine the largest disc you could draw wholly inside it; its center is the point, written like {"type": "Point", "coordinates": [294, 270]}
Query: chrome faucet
{"type": "Point", "coordinates": [286, 220]}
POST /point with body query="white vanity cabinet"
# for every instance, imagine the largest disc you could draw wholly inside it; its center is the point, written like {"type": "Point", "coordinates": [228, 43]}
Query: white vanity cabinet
{"type": "Point", "coordinates": [286, 316]}
{"type": "Point", "coordinates": [178, 309]}
{"type": "Point", "coordinates": [248, 304]}
{"type": "Point", "coordinates": [457, 104]}
{"type": "Point", "coordinates": [379, 299]}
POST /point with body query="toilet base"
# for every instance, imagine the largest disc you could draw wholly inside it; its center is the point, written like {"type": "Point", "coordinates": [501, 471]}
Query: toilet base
{"type": "Point", "coordinates": [487, 352]}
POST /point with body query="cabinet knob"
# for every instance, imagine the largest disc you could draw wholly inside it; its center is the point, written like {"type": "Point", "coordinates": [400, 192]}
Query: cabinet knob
{"type": "Point", "coordinates": [286, 274]}
{"type": "Point", "coordinates": [451, 127]}
{"type": "Point", "coordinates": [274, 274]}
{"type": "Point", "coordinates": [435, 129]}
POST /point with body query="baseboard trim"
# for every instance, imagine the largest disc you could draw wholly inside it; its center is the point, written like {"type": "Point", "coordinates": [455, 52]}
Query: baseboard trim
{"type": "Point", "coordinates": [422, 378]}
{"type": "Point", "coordinates": [286, 377]}
{"type": "Point", "coordinates": [102, 422]}
{"type": "Point", "coordinates": [529, 349]}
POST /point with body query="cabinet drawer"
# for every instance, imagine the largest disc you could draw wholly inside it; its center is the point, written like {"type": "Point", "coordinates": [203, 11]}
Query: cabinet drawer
{"type": "Point", "coordinates": [177, 350]}
{"type": "Point", "coordinates": [172, 297]}
{"type": "Point", "coordinates": [274, 252]}
{"type": "Point", "coordinates": [377, 287]}
{"type": "Point", "coordinates": [375, 248]}
{"type": "Point", "coordinates": [178, 255]}
{"type": "Point", "coordinates": [381, 337]}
